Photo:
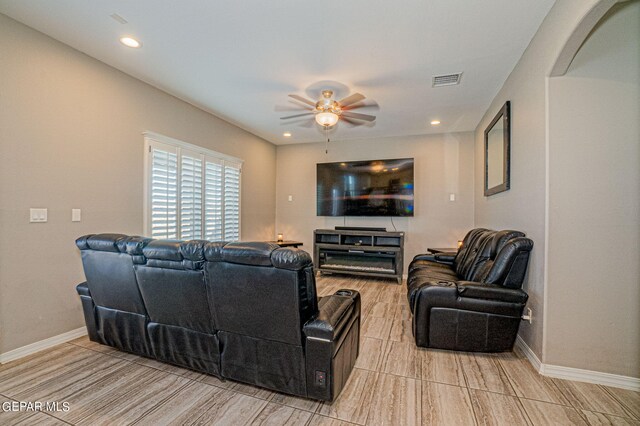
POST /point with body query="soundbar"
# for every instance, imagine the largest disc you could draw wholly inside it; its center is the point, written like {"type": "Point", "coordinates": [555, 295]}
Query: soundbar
{"type": "Point", "coordinates": [360, 228]}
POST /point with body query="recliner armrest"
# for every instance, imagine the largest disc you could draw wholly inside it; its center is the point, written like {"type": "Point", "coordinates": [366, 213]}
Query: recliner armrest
{"type": "Point", "coordinates": [332, 344]}
{"type": "Point", "coordinates": [477, 290]}
{"type": "Point", "coordinates": [83, 289]}
{"type": "Point", "coordinates": [334, 314]}
{"type": "Point", "coordinates": [445, 257]}
{"type": "Point", "coordinates": [424, 256]}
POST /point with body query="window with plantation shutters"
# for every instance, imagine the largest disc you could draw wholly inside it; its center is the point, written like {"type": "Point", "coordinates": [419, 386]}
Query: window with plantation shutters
{"type": "Point", "coordinates": [191, 192]}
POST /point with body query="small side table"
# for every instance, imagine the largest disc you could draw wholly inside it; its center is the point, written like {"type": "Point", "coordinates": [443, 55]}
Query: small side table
{"type": "Point", "coordinates": [442, 250]}
{"type": "Point", "coordinates": [287, 243]}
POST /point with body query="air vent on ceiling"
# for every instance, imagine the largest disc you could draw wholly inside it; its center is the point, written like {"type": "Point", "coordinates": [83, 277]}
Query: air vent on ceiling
{"type": "Point", "coordinates": [118, 18]}
{"type": "Point", "coordinates": [446, 79]}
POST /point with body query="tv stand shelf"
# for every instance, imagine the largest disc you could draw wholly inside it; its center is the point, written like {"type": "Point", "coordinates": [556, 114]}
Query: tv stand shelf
{"type": "Point", "coordinates": [364, 253]}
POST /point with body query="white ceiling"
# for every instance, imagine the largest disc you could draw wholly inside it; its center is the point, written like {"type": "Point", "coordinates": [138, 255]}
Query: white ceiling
{"type": "Point", "coordinates": [239, 59]}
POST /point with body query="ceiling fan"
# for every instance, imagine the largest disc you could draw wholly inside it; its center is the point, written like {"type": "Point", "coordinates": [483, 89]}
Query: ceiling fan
{"type": "Point", "coordinates": [328, 111]}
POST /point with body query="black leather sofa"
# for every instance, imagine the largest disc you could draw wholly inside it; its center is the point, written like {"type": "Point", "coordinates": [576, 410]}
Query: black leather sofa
{"type": "Point", "coordinates": [240, 311]}
{"type": "Point", "coordinates": [470, 300]}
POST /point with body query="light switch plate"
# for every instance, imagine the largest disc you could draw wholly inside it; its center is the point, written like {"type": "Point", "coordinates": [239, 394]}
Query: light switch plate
{"type": "Point", "coordinates": [452, 197]}
{"type": "Point", "coordinates": [37, 215]}
{"type": "Point", "coordinates": [290, 197]}
{"type": "Point", "coordinates": [76, 215]}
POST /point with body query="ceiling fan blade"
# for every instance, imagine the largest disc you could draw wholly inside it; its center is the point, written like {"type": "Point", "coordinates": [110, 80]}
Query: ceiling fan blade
{"type": "Point", "coordinates": [297, 115]}
{"type": "Point", "coordinates": [350, 122]}
{"type": "Point", "coordinates": [352, 99]}
{"type": "Point", "coordinates": [303, 100]}
{"type": "Point", "coordinates": [293, 106]}
{"type": "Point", "coordinates": [365, 117]}
{"type": "Point", "coordinates": [370, 104]}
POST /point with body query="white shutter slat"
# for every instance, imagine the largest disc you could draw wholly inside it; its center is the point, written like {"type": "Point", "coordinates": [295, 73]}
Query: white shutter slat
{"type": "Point", "coordinates": [190, 197]}
{"type": "Point", "coordinates": [231, 202]}
{"type": "Point", "coordinates": [213, 201]}
{"type": "Point", "coordinates": [164, 193]}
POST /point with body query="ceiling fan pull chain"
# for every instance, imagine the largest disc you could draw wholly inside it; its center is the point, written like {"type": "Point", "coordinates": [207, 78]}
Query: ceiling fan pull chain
{"type": "Point", "coordinates": [326, 145]}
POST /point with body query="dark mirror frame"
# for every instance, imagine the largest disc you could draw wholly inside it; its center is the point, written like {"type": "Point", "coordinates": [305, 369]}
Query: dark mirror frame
{"type": "Point", "coordinates": [505, 115]}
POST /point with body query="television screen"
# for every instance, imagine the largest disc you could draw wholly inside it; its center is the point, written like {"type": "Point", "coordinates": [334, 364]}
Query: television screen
{"type": "Point", "coordinates": [365, 188]}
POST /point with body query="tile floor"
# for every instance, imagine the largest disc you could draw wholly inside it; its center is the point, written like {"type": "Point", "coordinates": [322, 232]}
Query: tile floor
{"type": "Point", "coordinates": [394, 383]}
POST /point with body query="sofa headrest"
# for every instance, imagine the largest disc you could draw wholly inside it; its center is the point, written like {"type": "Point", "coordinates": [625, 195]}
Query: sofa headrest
{"type": "Point", "coordinates": [175, 254]}
{"type": "Point", "coordinates": [193, 250]}
{"type": "Point", "coordinates": [213, 251]}
{"type": "Point", "coordinates": [103, 242]}
{"type": "Point", "coordinates": [467, 245]}
{"type": "Point", "coordinates": [260, 254]}
{"type": "Point", "coordinates": [163, 250]}
{"type": "Point", "coordinates": [135, 245]}
{"type": "Point", "coordinates": [478, 250]}
{"type": "Point", "coordinates": [501, 238]}
{"type": "Point", "coordinates": [516, 245]}
{"type": "Point", "coordinates": [510, 264]}
{"type": "Point", "coordinates": [249, 253]}
{"type": "Point", "coordinates": [192, 254]}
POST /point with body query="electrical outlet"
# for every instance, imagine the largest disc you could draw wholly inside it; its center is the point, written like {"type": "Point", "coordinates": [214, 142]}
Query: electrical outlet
{"type": "Point", "coordinates": [321, 378]}
{"type": "Point", "coordinates": [529, 316]}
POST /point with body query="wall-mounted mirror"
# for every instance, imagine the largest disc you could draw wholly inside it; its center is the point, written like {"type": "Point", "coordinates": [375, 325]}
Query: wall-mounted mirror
{"type": "Point", "coordinates": [497, 151]}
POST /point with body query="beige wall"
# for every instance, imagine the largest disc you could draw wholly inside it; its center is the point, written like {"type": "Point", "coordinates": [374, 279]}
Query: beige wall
{"type": "Point", "coordinates": [443, 165]}
{"type": "Point", "coordinates": [593, 306]}
{"type": "Point", "coordinates": [71, 137]}
{"type": "Point", "coordinates": [523, 207]}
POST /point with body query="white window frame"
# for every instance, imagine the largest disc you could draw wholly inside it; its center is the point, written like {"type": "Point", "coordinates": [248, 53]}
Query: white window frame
{"type": "Point", "coordinates": [154, 139]}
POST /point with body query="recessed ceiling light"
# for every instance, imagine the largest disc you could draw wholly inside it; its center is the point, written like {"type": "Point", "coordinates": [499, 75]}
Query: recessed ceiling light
{"type": "Point", "coordinates": [287, 134]}
{"type": "Point", "coordinates": [435, 122]}
{"type": "Point", "coordinates": [130, 42]}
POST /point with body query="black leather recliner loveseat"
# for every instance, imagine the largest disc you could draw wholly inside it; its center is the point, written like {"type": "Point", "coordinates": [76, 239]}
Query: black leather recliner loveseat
{"type": "Point", "coordinates": [241, 311]}
{"type": "Point", "coordinates": [470, 300]}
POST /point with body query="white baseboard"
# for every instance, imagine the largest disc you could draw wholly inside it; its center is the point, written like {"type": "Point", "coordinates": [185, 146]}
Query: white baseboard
{"type": "Point", "coordinates": [577, 374]}
{"type": "Point", "coordinates": [531, 356]}
{"type": "Point", "coordinates": [42, 345]}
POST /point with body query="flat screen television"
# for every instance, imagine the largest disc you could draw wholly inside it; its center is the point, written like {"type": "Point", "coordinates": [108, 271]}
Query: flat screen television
{"type": "Point", "coordinates": [365, 188]}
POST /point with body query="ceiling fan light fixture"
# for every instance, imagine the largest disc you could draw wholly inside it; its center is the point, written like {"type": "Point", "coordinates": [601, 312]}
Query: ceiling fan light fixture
{"type": "Point", "coordinates": [326, 119]}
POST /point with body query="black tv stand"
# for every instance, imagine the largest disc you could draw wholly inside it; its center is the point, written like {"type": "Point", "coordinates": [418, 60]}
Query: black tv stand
{"type": "Point", "coordinates": [358, 252]}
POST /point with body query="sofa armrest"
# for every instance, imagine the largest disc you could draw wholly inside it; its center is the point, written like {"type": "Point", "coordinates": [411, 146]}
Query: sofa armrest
{"type": "Point", "coordinates": [335, 312]}
{"type": "Point", "coordinates": [83, 289]}
{"type": "Point", "coordinates": [424, 256]}
{"type": "Point", "coordinates": [332, 344]}
{"type": "Point", "coordinates": [445, 257]}
{"type": "Point", "coordinates": [476, 290]}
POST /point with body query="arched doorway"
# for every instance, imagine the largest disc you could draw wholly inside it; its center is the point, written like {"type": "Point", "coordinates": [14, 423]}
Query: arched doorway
{"type": "Point", "coordinates": [593, 266]}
